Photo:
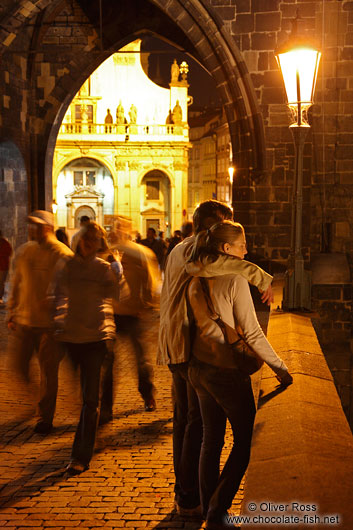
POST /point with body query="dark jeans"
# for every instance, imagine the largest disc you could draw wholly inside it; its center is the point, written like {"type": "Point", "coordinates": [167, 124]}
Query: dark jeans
{"type": "Point", "coordinates": [24, 341]}
{"type": "Point", "coordinates": [89, 357]}
{"type": "Point", "coordinates": [129, 326]}
{"type": "Point", "coordinates": [223, 393]}
{"type": "Point", "coordinates": [187, 438]}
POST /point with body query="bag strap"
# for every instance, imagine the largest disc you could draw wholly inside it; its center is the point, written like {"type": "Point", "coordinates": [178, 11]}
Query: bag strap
{"type": "Point", "coordinates": [214, 315]}
{"type": "Point", "coordinates": [206, 292]}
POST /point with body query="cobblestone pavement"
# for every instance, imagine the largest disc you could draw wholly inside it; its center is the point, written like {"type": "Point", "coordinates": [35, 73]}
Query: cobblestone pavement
{"type": "Point", "coordinates": [130, 481]}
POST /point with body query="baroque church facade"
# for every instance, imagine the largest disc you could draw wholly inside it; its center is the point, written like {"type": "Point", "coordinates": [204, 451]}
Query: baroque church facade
{"type": "Point", "coordinates": [122, 148]}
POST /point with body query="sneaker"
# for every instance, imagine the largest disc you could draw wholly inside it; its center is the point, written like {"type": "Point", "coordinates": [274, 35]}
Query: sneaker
{"type": "Point", "coordinates": [43, 427]}
{"type": "Point", "coordinates": [75, 467]}
{"type": "Point", "coordinates": [188, 512]}
{"type": "Point", "coordinates": [150, 405]}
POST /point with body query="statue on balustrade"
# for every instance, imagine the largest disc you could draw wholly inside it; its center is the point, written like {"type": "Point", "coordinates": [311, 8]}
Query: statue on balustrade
{"type": "Point", "coordinates": [169, 118]}
{"type": "Point", "coordinates": [108, 120]}
{"type": "Point", "coordinates": [120, 114]}
{"type": "Point", "coordinates": [133, 114]}
{"type": "Point", "coordinates": [109, 117]}
{"type": "Point", "coordinates": [174, 72]}
{"type": "Point", "coordinates": [177, 114]}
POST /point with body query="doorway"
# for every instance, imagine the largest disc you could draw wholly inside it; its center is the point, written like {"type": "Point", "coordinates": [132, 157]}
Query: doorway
{"type": "Point", "coordinates": [84, 210]}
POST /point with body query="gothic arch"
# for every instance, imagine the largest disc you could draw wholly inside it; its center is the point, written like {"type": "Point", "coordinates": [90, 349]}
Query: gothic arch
{"type": "Point", "coordinates": [192, 25]}
{"type": "Point", "coordinates": [209, 42]}
{"type": "Point", "coordinates": [218, 52]}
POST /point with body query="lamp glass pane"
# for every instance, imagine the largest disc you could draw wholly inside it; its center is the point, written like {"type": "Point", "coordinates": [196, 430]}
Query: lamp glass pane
{"type": "Point", "coordinates": [305, 62]}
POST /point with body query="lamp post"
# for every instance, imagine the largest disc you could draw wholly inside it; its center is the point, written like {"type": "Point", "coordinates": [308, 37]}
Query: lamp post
{"type": "Point", "coordinates": [299, 63]}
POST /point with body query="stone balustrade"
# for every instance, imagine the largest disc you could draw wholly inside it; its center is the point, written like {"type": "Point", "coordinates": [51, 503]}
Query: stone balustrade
{"type": "Point", "coordinates": [302, 450]}
{"type": "Point", "coordinates": [155, 132]}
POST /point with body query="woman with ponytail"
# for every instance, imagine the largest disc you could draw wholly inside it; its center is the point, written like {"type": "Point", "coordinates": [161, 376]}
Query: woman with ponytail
{"type": "Point", "coordinates": [224, 392]}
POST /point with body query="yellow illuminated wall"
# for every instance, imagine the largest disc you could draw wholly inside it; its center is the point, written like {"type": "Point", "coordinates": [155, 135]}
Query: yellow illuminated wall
{"type": "Point", "coordinates": [132, 160]}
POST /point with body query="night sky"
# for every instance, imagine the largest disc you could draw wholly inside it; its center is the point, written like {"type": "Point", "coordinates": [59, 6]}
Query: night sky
{"type": "Point", "coordinates": [202, 86]}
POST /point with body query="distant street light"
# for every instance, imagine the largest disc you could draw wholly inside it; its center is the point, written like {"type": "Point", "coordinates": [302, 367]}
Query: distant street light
{"type": "Point", "coordinates": [184, 69]}
{"type": "Point", "coordinates": [54, 206]}
{"type": "Point", "coordinates": [299, 63]}
{"type": "Point", "coordinates": [231, 170]}
{"type": "Point", "coordinates": [231, 173]}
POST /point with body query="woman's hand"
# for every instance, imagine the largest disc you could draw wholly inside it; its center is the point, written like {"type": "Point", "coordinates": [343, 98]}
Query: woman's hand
{"type": "Point", "coordinates": [267, 296]}
{"type": "Point", "coordinates": [285, 379]}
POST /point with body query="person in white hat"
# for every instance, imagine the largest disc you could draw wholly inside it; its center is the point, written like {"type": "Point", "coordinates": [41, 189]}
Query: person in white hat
{"type": "Point", "coordinates": [29, 314]}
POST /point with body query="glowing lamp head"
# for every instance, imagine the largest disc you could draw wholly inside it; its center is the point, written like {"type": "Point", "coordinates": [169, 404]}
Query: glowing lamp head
{"type": "Point", "coordinates": [299, 66]}
{"type": "Point", "coordinates": [231, 173]}
{"type": "Point", "coordinates": [184, 69]}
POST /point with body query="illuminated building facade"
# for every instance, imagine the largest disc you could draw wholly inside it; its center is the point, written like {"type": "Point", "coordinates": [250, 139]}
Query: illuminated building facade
{"type": "Point", "coordinates": [209, 158]}
{"type": "Point", "coordinates": [123, 147]}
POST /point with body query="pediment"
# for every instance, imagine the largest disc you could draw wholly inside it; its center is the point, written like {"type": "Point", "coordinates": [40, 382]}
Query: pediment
{"type": "Point", "coordinates": [84, 191]}
{"type": "Point", "coordinates": [152, 211]}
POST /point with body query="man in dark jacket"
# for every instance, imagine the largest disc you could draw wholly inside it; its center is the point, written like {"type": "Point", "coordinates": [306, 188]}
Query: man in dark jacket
{"type": "Point", "coordinates": [156, 245]}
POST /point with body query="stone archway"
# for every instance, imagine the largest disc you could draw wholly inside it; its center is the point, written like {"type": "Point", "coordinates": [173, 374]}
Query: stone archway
{"type": "Point", "coordinates": [58, 66]}
{"type": "Point", "coordinates": [196, 27]}
{"type": "Point", "coordinates": [218, 52]}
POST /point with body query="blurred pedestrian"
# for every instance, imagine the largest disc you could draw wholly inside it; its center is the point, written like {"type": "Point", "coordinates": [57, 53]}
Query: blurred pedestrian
{"type": "Point", "coordinates": [29, 313]}
{"type": "Point", "coordinates": [224, 392]}
{"type": "Point", "coordinates": [84, 290]}
{"type": "Point", "coordinates": [110, 255]}
{"type": "Point", "coordinates": [187, 229]}
{"type": "Point", "coordinates": [142, 277]}
{"type": "Point", "coordinates": [84, 220]}
{"type": "Point", "coordinates": [5, 254]}
{"type": "Point", "coordinates": [157, 246]}
{"type": "Point", "coordinates": [61, 235]}
{"type": "Point", "coordinates": [165, 248]}
{"type": "Point", "coordinates": [174, 241]}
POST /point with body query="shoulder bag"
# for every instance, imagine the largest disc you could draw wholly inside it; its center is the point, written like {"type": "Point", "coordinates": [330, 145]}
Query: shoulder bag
{"type": "Point", "coordinates": [245, 359]}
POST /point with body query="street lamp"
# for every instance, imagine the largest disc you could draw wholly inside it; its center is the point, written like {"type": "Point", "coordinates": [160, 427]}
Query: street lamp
{"type": "Point", "coordinates": [184, 69]}
{"type": "Point", "coordinates": [231, 174]}
{"type": "Point", "coordinates": [299, 63]}
{"type": "Point", "coordinates": [54, 207]}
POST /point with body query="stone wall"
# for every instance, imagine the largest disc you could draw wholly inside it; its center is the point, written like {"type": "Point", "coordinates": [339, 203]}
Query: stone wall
{"type": "Point", "coordinates": [263, 202]}
{"type": "Point", "coordinates": [13, 194]}
{"type": "Point", "coordinates": [332, 319]}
